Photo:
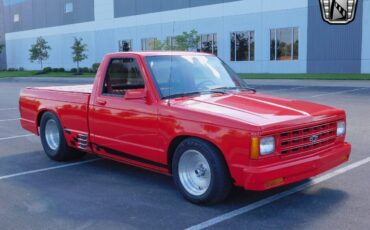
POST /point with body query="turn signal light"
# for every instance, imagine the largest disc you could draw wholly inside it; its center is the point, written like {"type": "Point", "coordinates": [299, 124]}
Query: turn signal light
{"type": "Point", "coordinates": [255, 146]}
{"type": "Point", "coordinates": [275, 182]}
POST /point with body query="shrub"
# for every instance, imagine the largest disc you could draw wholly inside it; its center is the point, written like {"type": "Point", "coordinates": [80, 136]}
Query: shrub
{"type": "Point", "coordinates": [73, 70]}
{"type": "Point", "coordinates": [95, 67]}
{"type": "Point", "coordinates": [12, 69]}
{"type": "Point", "coordinates": [41, 72]}
{"type": "Point", "coordinates": [21, 69]}
{"type": "Point", "coordinates": [84, 70]}
{"type": "Point", "coordinates": [61, 70]}
{"type": "Point", "coordinates": [47, 69]}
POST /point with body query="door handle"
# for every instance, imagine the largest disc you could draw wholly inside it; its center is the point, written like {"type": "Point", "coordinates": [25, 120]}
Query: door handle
{"type": "Point", "coordinates": [101, 102]}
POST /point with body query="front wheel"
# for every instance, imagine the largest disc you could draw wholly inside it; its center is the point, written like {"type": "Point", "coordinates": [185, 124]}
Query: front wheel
{"type": "Point", "coordinates": [200, 172]}
{"type": "Point", "coordinates": [53, 140]}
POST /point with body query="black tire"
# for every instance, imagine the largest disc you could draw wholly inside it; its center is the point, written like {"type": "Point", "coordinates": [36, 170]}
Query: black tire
{"type": "Point", "coordinates": [220, 182]}
{"type": "Point", "coordinates": [62, 152]}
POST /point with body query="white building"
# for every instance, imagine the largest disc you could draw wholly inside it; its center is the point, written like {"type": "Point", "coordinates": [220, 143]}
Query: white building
{"type": "Point", "coordinates": [241, 32]}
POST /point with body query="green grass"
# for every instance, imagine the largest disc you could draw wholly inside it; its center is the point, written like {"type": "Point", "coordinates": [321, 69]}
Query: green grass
{"type": "Point", "coordinates": [4, 74]}
{"type": "Point", "coordinates": [17, 73]}
{"type": "Point", "coordinates": [307, 76]}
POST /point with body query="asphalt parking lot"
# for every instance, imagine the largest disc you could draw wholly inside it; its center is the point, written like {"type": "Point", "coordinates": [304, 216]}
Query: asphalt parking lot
{"type": "Point", "coordinates": [37, 193]}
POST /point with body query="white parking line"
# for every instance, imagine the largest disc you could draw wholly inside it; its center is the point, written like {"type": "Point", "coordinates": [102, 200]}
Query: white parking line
{"type": "Point", "coordinates": [338, 92]}
{"type": "Point", "coordinates": [48, 169]}
{"type": "Point", "coordinates": [15, 137]}
{"type": "Point", "coordinates": [15, 119]}
{"type": "Point", "coordinates": [278, 196]}
{"type": "Point", "coordinates": [4, 109]}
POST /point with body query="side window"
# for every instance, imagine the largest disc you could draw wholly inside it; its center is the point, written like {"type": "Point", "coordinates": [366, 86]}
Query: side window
{"type": "Point", "coordinates": [123, 74]}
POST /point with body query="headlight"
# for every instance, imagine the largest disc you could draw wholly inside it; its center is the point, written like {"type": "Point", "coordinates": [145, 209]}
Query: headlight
{"type": "Point", "coordinates": [267, 145]}
{"type": "Point", "coordinates": [341, 128]}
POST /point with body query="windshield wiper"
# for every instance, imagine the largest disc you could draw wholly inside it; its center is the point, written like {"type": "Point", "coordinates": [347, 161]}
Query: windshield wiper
{"type": "Point", "coordinates": [195, 93]}
{"type": "Point", "coordinates": [220, 91]}
{"type": "Point", "coordinates": [236, 88]}
{"type": "Point", "coordinates": [182, 95]}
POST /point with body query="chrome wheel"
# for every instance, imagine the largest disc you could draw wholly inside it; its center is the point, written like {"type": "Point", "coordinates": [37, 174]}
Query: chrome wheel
{"type": "Point", "coordinates": [194, 172]}
{"type": "Point", "coordinates": [52, 134]}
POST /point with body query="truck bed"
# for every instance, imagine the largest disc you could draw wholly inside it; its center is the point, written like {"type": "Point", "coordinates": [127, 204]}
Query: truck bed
{"type": "Point", "coordinates": [79, 94]}
{"type": "Point", "coordinates": [85, 89]}
{"type": "Point", "coordinates": [69, 103]}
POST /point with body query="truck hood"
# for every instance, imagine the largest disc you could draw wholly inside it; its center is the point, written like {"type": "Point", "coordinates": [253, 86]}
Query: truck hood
{"type": "Point", "coordinates": [260, 110]}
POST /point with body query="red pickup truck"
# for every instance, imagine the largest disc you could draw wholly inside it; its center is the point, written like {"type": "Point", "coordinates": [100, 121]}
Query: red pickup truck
{"type": "Point", "coordinates": [187, 115]}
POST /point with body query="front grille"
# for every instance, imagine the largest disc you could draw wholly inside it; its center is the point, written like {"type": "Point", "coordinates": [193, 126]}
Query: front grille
{"type": "Point", "coordinates": [308, 139]}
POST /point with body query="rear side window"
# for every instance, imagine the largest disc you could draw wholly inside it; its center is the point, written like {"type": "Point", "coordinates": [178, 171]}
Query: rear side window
{"type": "Point", "coordinates": [122, 74]}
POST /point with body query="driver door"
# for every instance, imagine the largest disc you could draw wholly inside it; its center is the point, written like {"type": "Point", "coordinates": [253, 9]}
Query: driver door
{"type": "Point", "coordinates": [125, 128]}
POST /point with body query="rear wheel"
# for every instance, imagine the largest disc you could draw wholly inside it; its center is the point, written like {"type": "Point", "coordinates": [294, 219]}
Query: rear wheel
{"type": "Point", "coordinates": [53, 140]}
{"type": "Point", "coordinates": [200, 172]}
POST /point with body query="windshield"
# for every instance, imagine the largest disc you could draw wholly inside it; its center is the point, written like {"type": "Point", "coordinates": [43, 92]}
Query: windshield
{"type": "Point", "coordinates": [190, 75]}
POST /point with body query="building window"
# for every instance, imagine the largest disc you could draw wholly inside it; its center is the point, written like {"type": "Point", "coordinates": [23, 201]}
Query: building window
{"type": "Point", "coordinates": [68, 7]}
{"type": "Point", "coordinates": [148, 44]}
{"type": "Point", "coordinates": [125, 45]}
{"type": "Point", "coordinates": [208, 43]}
{"type": "Point", "coordinates": [295, 44]}
{"type": "Point", "coordinates": [242, 46]}
{"type": "Point", "coordinates": [171, 43]}
{"type": "Point", "coordinates": [284, 44]}
{"type": "Point", "coordinates": [16, 18]}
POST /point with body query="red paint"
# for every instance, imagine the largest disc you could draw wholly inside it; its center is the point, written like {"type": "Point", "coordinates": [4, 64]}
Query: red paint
{"type": "Point", "coordinates": [143, 126]}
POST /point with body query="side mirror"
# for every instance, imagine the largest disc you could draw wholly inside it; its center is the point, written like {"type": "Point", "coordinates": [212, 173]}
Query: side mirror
{"type": "Point", "coordinates": [134, 94]}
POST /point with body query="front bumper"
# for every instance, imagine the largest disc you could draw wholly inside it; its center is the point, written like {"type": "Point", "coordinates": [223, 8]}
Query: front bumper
{"type": "Point", "coordinates": [271, 176]}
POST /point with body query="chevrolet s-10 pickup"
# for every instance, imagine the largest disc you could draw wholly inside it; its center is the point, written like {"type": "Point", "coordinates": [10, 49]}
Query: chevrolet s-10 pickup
{"type": "Point", "coordinates": [190, 116]}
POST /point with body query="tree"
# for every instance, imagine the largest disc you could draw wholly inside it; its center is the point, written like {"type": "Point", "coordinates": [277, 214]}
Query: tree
{"type": "Point", "coordinates": [78, 52]}
{"type": "Point", "coordinates": [39, 51]}
{"type": "Point", "coordinates": [188, 41]}
{"type": "Point", "coordinates": [156, 44]}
